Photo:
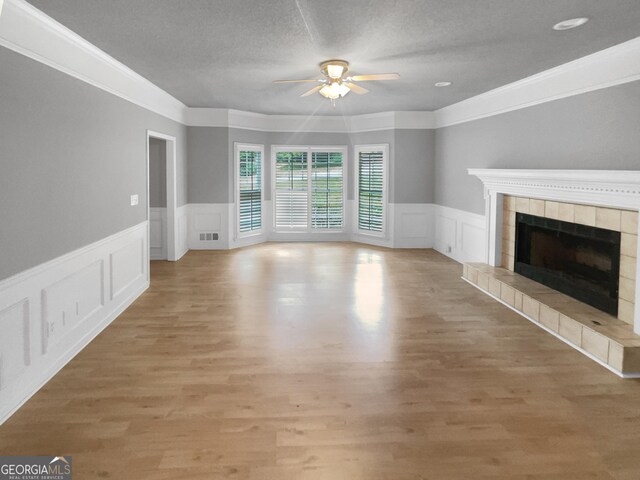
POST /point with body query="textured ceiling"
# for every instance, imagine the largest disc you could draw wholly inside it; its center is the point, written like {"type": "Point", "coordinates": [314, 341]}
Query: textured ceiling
{"type": "Point", "coordinates": [225, 53]}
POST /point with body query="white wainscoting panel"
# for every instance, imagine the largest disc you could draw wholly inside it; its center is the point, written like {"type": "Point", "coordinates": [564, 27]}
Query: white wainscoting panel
{"type": "Point", "coordinates": [50, 312]}
{"type": "Point", "coordinates": [158, 233]}
{"type": "Point", "coordinates": [459, 234]}
{"type": "Point", "coordinates": [413, 225]}
{"type": "Point", "coordinates": [208, 218]}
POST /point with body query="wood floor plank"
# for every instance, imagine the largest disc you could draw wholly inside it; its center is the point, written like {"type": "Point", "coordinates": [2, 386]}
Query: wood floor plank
{"type": "Point", "coordinates": [328, 361]}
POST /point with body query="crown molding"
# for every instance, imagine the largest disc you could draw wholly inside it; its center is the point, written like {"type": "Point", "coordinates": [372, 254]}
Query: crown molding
{"type": "Point", "coordinates": [222, 117]}
{"type": "Point", "coordinates": [613, 66]}
{"type": "Point", "coordinates": [28, 31]}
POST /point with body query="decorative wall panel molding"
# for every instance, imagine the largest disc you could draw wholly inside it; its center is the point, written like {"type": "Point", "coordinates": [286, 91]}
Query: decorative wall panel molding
{"type": "Point", "coordinates": [460, 235]}
{"type": "Point", "coordinates": [51, 312]}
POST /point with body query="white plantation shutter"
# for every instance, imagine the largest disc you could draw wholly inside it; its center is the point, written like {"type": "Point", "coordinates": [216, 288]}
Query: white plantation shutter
{"type": "Point", "coordinates": [250, 190]}
{"type": "Point", "coordinates": [291, 190]}
{"type": "Point", "coordinates": [371, 194]}
{"type": "Point", "coordinates": [327, 190]}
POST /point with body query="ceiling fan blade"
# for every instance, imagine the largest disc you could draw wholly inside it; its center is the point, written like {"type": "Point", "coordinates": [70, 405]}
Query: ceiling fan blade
{"type": "Point", "coordinates": [375, 76]}
{"type": "Point", "coordinates": [356, 88]}
{"type": "Point", "coordinates": [312, 91]}
{"type": "Point", "coordinates": [297, 81]}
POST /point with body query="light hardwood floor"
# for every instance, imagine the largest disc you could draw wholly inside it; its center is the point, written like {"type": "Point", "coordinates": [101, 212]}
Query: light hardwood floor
{"type": "Point", "coordinates": [331, 362]}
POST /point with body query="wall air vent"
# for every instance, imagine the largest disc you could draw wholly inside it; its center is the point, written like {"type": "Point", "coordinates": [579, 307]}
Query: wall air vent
{"type": "Point", "coordinates": [207, 237]}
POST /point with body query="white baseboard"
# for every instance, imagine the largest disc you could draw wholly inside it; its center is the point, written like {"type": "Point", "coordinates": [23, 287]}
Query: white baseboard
{"type": "Point", "coordinates": [51, 312]}
{"type": "Point", "coordinates": [459, 234]}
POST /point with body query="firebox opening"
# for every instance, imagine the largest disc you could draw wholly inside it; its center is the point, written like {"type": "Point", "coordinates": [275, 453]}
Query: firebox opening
{"type": "Point", "coordinates": [578, 260]}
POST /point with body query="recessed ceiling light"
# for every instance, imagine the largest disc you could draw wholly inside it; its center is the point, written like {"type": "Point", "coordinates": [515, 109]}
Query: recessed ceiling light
{"type": "Point", "coordinates": [571, 23]}
{"type": "Point", "coordinates": [442, 84]}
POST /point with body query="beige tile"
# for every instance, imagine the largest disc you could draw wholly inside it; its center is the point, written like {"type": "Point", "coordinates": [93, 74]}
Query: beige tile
{"type": "Point", "coordinates": [628, 267]}
{"type": "Point", "coordinates": [608, 218]}
{"type": "Point", "coordinates": [627, 289]}
{"type": "Point", "coordinates": [517, 303]}
{"type": "Point", "coordinates": [494, 287]}
{"type": "Point", "coordinates": [483, 281]}
{"type": "Point", "coordinates": [551, 209]}
{"type": "Point", "coordinates": [473, 275]}
{"type": "Point", "coordinates": [625, 311]}
{"type": "Point", "coordinates": [510, 219]}
{"type": "Point", "coordinates": [522, 205]}
{"type": "Point", "coordinates": [629, 222]}
{"type": "Point", "coordinates": [570, 330]}
{"type": "Point", "coordinates": [531, 307]}
{"type": "Point", "coordinates": [509, 248]}
{"type": "Point", "coordinates": [536, 207]}
{"type": "Point", "coordinates": [549, 318]}
{"type": "Point", "coordinates": [511, 263]}
{"type": "Point", "coordinates": [596, 344]}
{"type": "Point", "coordinates": [585, 215]}
{"type": "Point", "coordinates": [505, 258]}
{"type": "Point", "coordinates": [509, 203]}
{"type": "Point", "coordinates": [465, 270]}
{"type": "Point", "coordinates": [629, 245]}
{"type": "Point", "coordinates": [566, 212]}
{"type": "Point", "coordinates": [507, 294]}
{"type": "Point", "coordinates": [615, 355]}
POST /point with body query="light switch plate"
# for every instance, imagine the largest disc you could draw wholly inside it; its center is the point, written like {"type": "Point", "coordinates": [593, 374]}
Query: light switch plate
{"type": "Point", "coordinates": [134, 200]}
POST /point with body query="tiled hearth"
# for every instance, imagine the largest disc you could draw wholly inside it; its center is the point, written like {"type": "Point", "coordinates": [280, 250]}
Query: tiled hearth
{"type": "Point", "coordinates": [603, 199]}
{"type": "Point", "coordinates": [601, 336]}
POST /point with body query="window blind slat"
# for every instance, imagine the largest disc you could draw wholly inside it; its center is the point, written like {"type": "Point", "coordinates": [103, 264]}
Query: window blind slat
{"type": "Point", "coordinates": [327, 190]}
{"type": "Point", "coordinates": [371, 191]}
{"type": "Point", "coordinates": [250, 190]}
{"type": "Point", "coordinates": [291, 203]}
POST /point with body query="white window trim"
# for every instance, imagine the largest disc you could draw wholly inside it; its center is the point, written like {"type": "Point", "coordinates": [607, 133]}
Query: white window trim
{"type": "Point", "coordinates": [357, 149]}
{"type": "Point", "coordinates": [238, 147]}
{"type": "Point", "coordinates": [345, 182]}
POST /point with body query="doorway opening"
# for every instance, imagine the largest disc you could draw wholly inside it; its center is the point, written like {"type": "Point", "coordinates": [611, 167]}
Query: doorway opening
{"type": "Point", "coordinates": [161, 196]}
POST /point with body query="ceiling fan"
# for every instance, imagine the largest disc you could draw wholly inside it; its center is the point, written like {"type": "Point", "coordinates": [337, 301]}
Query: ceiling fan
{"type": "Point", "coordinates": [336, 84]}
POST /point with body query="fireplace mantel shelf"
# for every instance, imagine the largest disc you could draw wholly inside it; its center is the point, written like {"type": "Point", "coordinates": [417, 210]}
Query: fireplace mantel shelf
{"type": "Point", "coordinates": [613, 188]}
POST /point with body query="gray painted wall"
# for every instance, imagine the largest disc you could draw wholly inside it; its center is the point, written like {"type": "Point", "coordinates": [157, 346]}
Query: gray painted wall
{"type": "Point", "coordinates": [211, 151]}
{"type": "Point", "coordinates": [157, 173]}
{"type": "Point", "coordinates": [70, 157]}
{"type": "Point", "coordinates": [595, 130]}
{"type": "Point", "coordinates": [208, 165]}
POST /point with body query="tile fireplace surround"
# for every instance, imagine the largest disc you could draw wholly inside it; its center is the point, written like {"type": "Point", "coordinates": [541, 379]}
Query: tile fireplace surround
{"type": "Point", "coordinates": [600, 198]}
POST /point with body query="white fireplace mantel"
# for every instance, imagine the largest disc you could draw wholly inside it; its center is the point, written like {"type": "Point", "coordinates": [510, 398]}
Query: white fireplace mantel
{"type": "Point", "coordinates": [601, 188]}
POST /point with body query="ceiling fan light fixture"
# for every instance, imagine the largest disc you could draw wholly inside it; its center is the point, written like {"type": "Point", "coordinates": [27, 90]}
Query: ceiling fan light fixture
{"type": "Point", "coordinates": [334, 90]}
{"type": "Point", "coordinates": [334, 69]}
